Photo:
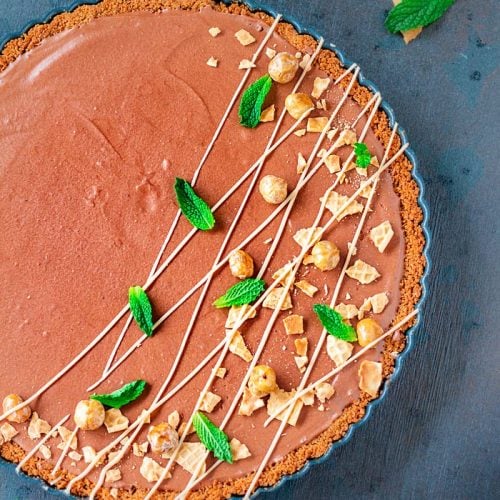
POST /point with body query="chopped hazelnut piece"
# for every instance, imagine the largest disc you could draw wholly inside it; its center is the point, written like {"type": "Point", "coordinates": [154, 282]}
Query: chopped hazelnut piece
{"type": "Point", "coordinates": [320, 85]}
{"type": "Point", "coordinates": [370, 377]}
{"type": "Point", "coordinates": [322, 153]}
{"type": "Point", "coordinates": [374, 162]}
{"type": "Point", "coordinates": [347, 137]}
{"type": "Point", "coordinates": [331, 134]}
{"type": "Point", "coordinates": [270, 52]}
{"type": "Point", "coordinates": [249, 403]}
{"type": "Point", "coordinates": [294, 324]}
{"type": "Point", "coordinates": [306, 236]}
{"type": "Point", "coordinates": [212, 62]}
{"type": "Point", "coordinates": [210, 401]}
{"type": "Point", "coordinates": [301, 346]}
{"type": "Point", "coordinates": [174, 419]}
{"type": "Point", "coordinates": [115, 421]}
{"type": "Point", "coordinates": [238, 347]}
{"type": "Point", "coordinates": [139, 450]}
{"type": "Point", "coordinates": [283, 274]}
{"type": "Point", "coordinates": [238, 312]}
{"type": "Point", "coordinates": [89, 454]}
{"type": "Point", "coordinates": [221, 372]}
{"type": "Point", "coordinates": [151, 470]}
{"type": "Point", "coordinates": [324, 391]}
{"type": "Point", "coordinates": [347, 311]}
{"type": "Point", "coordinates": [244, 37]}
{"type": "Point", "coordinates": [74, 455]}
{"type": "Point", "coordinates": [317, 124]}
{"type": "Point", "coordinates": [239, 450]}
{"type": "Point", "coordinates": [189, 457]}
{"type": "Point", "coordinates": [305, 62]}
{"type": "Point", "coordinates": [274, 297]}
{"type": "Point", "coordinates": [363, 172]}
{"type": "Point", "coordinates": [267, 114]}
{"type": "Point", "coordinates": [332, 163]}
{"type": "Point", "coordinates": [308, 398]}
{"type": "Point", "coordinates": [37, 427]}
{"type": "Point", "coordinates": [365, 192]}
{"type": "Point", "coordinates": [301, 163]}
{"type": "Point", "coordinates": [214, 31]}
{"type": "Point", "coordinates": [65, 435]}
{"type": "Point", "coordinates": [306, 287]}
{"type": "Point", "coordinates": [362, 272]}
{"type": "Point", "coordinates": [381, 235]}
{"type": "Point", "coordinates": [280, 397]}
{"type": "Point", "coordinates": [89, 414]}
{"type": "Point", "coordinates": [301, 362]}
{"type": "Point", "coordinates": [45, 451]}
{"type": "Point", "coordinates": [336, 201]}
{"type": "Point", "coordinates": [376, 303]}
{"type": "Point", "coordinates": [8, 432]}
{"type": "Point", "coordinates": [338, 350]}
{"type": "Point", "coordinates": [246, 64]}
{"type": "Point", "coordinates": [300, 132]}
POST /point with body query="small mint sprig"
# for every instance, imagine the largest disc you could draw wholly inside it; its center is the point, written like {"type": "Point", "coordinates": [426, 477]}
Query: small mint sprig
{"type": "Point", "coordinates": [213, 438]}
{"type": "Point", "coordinates": [242, 293]}
{"type": "Point", "coordinates": [123, 396]}
{"type": "Point", "coordinates": [334, 324]}
{"type": "Point", "coordinates": [140, 306]}
{"type": "Point", "coordinates": [363, 156]}
{"type": "Point", "coordinates": [195, 209]}
{"type": "Point", "coordinates": [252, 100]}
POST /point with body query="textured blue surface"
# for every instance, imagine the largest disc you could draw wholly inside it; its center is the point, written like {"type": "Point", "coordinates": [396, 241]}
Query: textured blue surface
{"type": "Point", "coordinates": [436, 434]}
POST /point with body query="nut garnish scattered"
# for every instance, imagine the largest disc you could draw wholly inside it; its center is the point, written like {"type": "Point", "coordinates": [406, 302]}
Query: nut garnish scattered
{"type": "Point", "coordinates": [139, 450]}
{"type": "Point", "coordinates": [19, 416]}
{"type": "Point", "coordinates": [331, 133]}
{"type": "Point", "coordinates": [162, 437]}
{"type": "Point", "coordinates": [74, 455]}
{"type": "Point", "coordinates": [294, 324]}
{"type": "Point", "coordinates": [347, 311]}
{"type": "Point", "coordinates": [89, 454]}
{"type": "Point", "coordinates": [239, 450]}
{"type": "Point", "coordinates": [339, 351]}
{"type": "Point", "coordinates": [246, 64]}
{"type": "Point", "coordinates": [347, 137]}
{"type": "Point", "coordinates": [300, 132]}
{"type": "Point", "coordinates": [336, 201]}
{"type": "Point", "coordinates": [37, 427]}
{"type": "Point", "coordinates": [262, 380]}
{"type": "Point", "coordinates": [45, 451]}
{"type": "Point", "coordinates": [308, 398]}
{"type": "Point", "coordinates": [244, 37]}
{"type": "Point", "coordinates": [237, 312]}
{"type": "Point", "coordinates": [267, 114]}
{"type": "Point", "coordinates": [301, 163]}
{"type": "Point", "coordinates": [301, 346]}
{"type": "Point", "coordinates": [8, 431]}
{"type": "Point", "coordinates": [249, 403]}
{"type": "Point", "coordinates": [212, 62]}
{"type": "Point", "coordinates": [367, 331]}
{"type": "Point", "coordinates": [376, 303]}
{"type": "Point", "coordinates": [317, 124]}
{"type": "Point", "coordinates": [324, 391]}
{"type": "Point", "coordinates": [210, 401]}
{"type": "Point", "coordinates": [214, 31]}
{"type": "Point", "coordinates": [270, 52]}
{"type": "Point", "coordinates": [273, 189]}
{"type": "Point", "coordinates": [305, 236]}
{"type": "Point", "coordinates": [284, 274]}
{"type": "Point", "coordinates": [301, 362]}
{"type": "Point", "coordinates": [190, 456]}
{"type": "Point", "coordinates": [297, 104]}
{"type": "Point", "coordinates": [221, 372]}
{"type": "Point", "coordinates": [241, 264]}
{"type": "Point", "coordinates": [151, 470]}
{"type": "Point", "coordinates": [306, 287]}
{"type": "Point", "coordinates": [362, 272]}
{"type": "Point", "coordinates": [370, 377]}
{"type": "Point", "coordinates": [280, 397]}
{"type": "Point", "coordinates": [89, 414]}
{"type": "Point", "coordinates": [319, 86]}
{"type": "Point", "coordinates": [65, 435]}
{"type": "Point", "coordinates": [272, 300]}
{"type": "Point", "coordinates": [238, 347]}
{"type": "Point", "coordinates": [332, 163]}
{"type": "Point", "coordinates": [115, 421]}
{"type": "Point", "coordinates": [305, 62]}
{"type": "Point", "coordinates": [381, 235]}
{"type": "Point", "coordinates": [325, 255]}
{"type": "Point", "coordinates": [283, 67]}
{"type": "Point", "coordinates": [174, 419]}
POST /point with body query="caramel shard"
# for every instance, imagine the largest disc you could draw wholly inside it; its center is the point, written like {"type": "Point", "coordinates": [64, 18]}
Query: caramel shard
{"type": "Point", "coordinates": [45, 451]}
{"type": "Point", "coordinates": [89, 454]}
{"type": "Point", "coordinates": [74, 455]}
{"type": "Point", "coordinates": [139, 450]}
{"type": "Point", "coordinates": [212, 62]}
{"type": "Point", "coordinates": [301, 346]}
{"type": "Point", "coordinates": [300, 132]}
{"type": "Point", "coordinates": [246, 64]}
{"type": "Point", "coordinates": [362, 272]}
{"type": "Point", "coordinates": [319, 86]}
{"type": "Point", "coordinates": [308, 398]}
{"type": "Point", "coordinates": [381, 235]}
{"type": "Point", "coordinates": [409, 35]}
{"type": "Point", "coordinates": [301, 163]}
{"type": "Point", "coordinates": [209, 402]}
{"type": "Point", "coordinates": [376, 302]}
{"type": "Point", "coordinates": [249, 403]}
{"type": "Point", "coordinates": [280, 397]}
{"type": "Point", "coordinates": [236, 313]}
{"type": "Point", "coordinates": [239, 450]}
{"type": "Point", "coordinates": [270, 52]}
{"type": "Point", "coordinates": [324, 391]}
{"type": "Point", "coordinates": [174, 419]}
{"type": "Point", "coordinates": [115, 421]}
{"type": "Point", "coordinates": [306, 287]}
{"type": "Point", "coordinates": [306, 236]}
{"type": "Point", "coordinates": [244, 37]}
{"type": "Point", "coordinates": [284, 274]}
{"type": "Point", "coordinates": [370, 377]}
{"type": "Point", "coordinates": [317, 124]}
{"type": "Point", "coordinates": [65, 435]}
{"type": "Point", "coordinates": [190, 456]}
{"type": "Point", "coordinates": [338, 350]}
{"type": "Point", "coordinates": [336, 201]}
{"type": "Point", "coordinates": [238, 347]}
{"type": "Point", "coordinates": [301, 362]}
{"type": "Point", "coordinates": [8, 432]}
{"type": "Point", "coordinates": [347, 311]}
{"type": "Point", "coordinates": [221, 372]}
{"type": "Point", "coordinates": [37, 427]}
{"type": "Point", "coordinates": [332, 163]}
{"type": "Point", "coordinates": [267, 114]}
{"type": "Point", "coordinates": [274, 297]}
{"type": "Point", "coordinates": [151, 470]}
{"type": "Point", "coordinates": [347, 137]}
{"type": "Point", "coordinates": [214, 31]}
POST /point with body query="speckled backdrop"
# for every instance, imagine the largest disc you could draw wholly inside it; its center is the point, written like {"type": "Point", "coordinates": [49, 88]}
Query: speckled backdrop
{"type": "Point", "coordinates": [437, 434]}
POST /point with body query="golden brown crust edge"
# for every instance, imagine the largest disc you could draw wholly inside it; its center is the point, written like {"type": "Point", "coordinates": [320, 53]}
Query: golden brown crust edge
{"type": "Point", "coordinates": [411, 216]}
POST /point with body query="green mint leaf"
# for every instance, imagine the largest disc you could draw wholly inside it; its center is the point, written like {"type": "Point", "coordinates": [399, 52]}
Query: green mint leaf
{"type": "Point", "coordinates": [141, 309]}
{"type": "Point", "coordinates": [242, 293]}
{"type": "Point", "coordinates": [192, 206]}
{"type": "Point", "coordinates": [334, 323]}
{"type": "Point", "coordinates": [363, 156]}
{"type": "Point", "coordinates": [411, 14]}
{"type": "Point", "coordinates": [213, 438]}
{"type": "Point", "coordinates": [252, 100]}
{"type": "Point", "coordinates": [123, 396]}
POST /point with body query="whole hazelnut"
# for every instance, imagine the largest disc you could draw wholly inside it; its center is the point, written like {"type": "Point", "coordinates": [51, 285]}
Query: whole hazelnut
{"type": "Point", "coordinates": [241, 264]}
{"type": "Point", "coordinates": [273, 189]}
{"type": "Point", "coordinates": [89, 414]}
{"type": "Point", "coordinates": [367, 331]}
{"type": "Point", "coordinates": [283, 67]}
{"type": "Point", "coordinates": [297, 104]}
{"type": "Point", "coordinates": [325, 255]}
{"type": "Point", "coordinates": [19, 416]}
{"type": "Point", "coordinates": [262, 380]}
{"type": "Point", "coordinates": [162, 437]}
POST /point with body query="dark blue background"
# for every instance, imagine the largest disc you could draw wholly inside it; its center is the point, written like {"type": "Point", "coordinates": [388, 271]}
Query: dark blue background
{"type": "Point", "coordinates": [437, 434]}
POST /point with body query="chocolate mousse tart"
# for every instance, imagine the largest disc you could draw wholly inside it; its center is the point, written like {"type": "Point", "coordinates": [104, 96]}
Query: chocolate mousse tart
{"type": "Point", "coordinates": [211, 249]}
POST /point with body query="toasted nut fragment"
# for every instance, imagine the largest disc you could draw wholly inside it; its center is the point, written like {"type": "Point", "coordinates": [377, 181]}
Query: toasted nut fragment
{"type": "Point", "coordinates": [339, 351]}
{"type": "Point", "coordinates": [37, 427]}
{"type": "Point", "coordinates": [294, 324]}
{"type": "Point", "coordinates": [139, 450]}
{"type": "Point", "coordinates": [270, 52]}
{"type": "Point", "coordinates": [306, 287]}
{"type": "Point", "coordinates": [74, 455]}
{"type": "Point", "coordinates": [301, 346]}
{"type": "Point", "coordinates": [115, 421]}
{"type": "Point", "coordinates": [370, 377]}
{"type": "Point", "coordinates": [89, 414]}
{"type": "Point", "coordinates": [317, 124]}
{"type": "Point", "coordinates": [182, 428]}
{"type": "Point", "coordinates": [347, 311]}
{"type": "Point", "coordinates": [210, 401]}
{"type": "Point", "coordinates": [267, 114]}
{"type": "Point", "coordinates": [212, 62]}
{"type": "Point", "coordinates": [331, 133]}
{"type": "Point", "coordinates": [162, 437]}
{"type": "Point", "coordinates": [174, 419]}
{"type": "Point", "coordinates": [249, 403]}
{"type": "Point", "coordinates": [362, 272]}
{"type": "Point", "coordinates": [151, 470]}
{"type": "Point", "coordinates": [239, 450]}
{"type": "Point", "coordinates": [45, 452]}
{"type": "Point", "coordinates": [238, 347]}
{"type": "Point", "coordinates": [190, 456]}
{"type": "Point", "coordinates": [324, 391]}
{"type": "Point", "coordinates": [332, 163]}
{"type": "Point", "coordinates": [367, 331]}
{"type": "Point", "coordinates": [325, 255]}
{"type": "Point", "coordinates": [245, 64]}
{"type": "Point", "coordinates": [300, 132]}
{"type": "Point", "coordinates": [214, 31]}
{"type": "Point", "coordinates": [284, 274]}
{"type": "Point", "coordinates": [19, 416]}
{"type": "Point", "coordinates": [283, 67]}
{"type": "Point", "coordinates": [297, 104]}
{"type": "Point", "coordinates": [273, 189]}
{"type": "Point", "coordinates": [8, 432]}
{"type": "Point", "coordinates": [307, 235]}
{"type": "Point", "coordinates": [241, 264]}
{"type": "Point", "coordinates": [301, 362]}
{"type": "Point", "coordinates": [236, 313]}
{"type": "Point", "coordinates": [280, 397]}
{"type": "Point", "coordinates": [262, 380]}
{"type": "Point", "coordinates": [301, 163]}
{"type": "Point", "coordinates": [65, 435]}
{"type": "Point", "coordinates": [304, 64]}
{"type": "Point", "coordinates": [274, 297]}
{"type": "Point", "coordinates": [381, 235]}
{"type": "Point", "coordinates": [244, 37]}
{"type": "Point", "coordinates": [221, 372]}
{"type": "Point", "coordinates": [347, 137]}
{"type": "Point", "coordinates": [308, 398]}
{"type": "Point", "coordinates": [376, 303]}
{"type": "Point", "coordinates": [336, 201]}
{"type": "Point", "coordinates": [319, 86]}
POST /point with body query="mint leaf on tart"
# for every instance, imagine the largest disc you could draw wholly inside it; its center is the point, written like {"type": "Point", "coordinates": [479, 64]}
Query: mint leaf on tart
{"type": "Point", "coordinates": [334, 324]}
{"type": "Point", "coordinates": [363, 156]}
{"type": "Point", "coordinates": [242, 293]}
{"type": "Point", "coordinates": [123, 396]}
{"type": "Point", "coordinates": [213, 438]}
{"type": "Point", "coordinates": [252, 100]}
{"type": "Point", "coordinates": [140, 306]}
{"type": "Point", "coordinates": [411, 14]}
{"type": "Point", "coordinates": [196, 210]}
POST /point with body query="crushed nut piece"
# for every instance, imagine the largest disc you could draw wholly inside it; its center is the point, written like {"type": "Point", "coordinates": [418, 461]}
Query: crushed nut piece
{"type": "Point", "coordinates": [338, 350]}
{"type": "Point", "coordinates": [237, 312]}
{"type": "Point", "coordinates": [273, 299]}
{"type": "Point", "coordinates": [74, 455]}
{"type": "Point", "coordinates": [37, 427]}
{"type": "Point", "coordinates": [319, 86]}
{"type": "Point", "coordinates": [317, 124]}
{"type": "Point", "coordinates": [300, 132]}
{"type": "Point", "coordinates": [115, 421]}
{"type": "Point", "coordinates": [147, 420]}
{"type": "Point", "coordinates": [239, 450]}
{"type": "Point", "coordinates": [174, 419]}
{"type": "Point", "coordinates": [214, 31]}
{"type": "Point", "coordinates": [306, 287]}
{"type": "Point", "coordinates": [221, 372]}
{"type": "Point", "coordinates": [370, 377]}
{"type": "Point", "coordinates": [45, 451]}
{"type": "Point", "coordinates": [279, 398]}
{"type": "Point", "coordinates": [308, 398]}
{"type": "Point", "coordinates": [244, 37]}
{"type": "Point", "coordinates": [362, 272]}
{"type": "Point", "coordinates": [332, 163]}
{"type": "Point", "coordinates": [301, 362]}
{"type": "Point", "coordinates": [212, 62]}
{"type": "Point", "coordinates": [365, 192]}
{"type": "Point", "coordinates": [301, 346]}
{"type": "Point", "coordinates": [245, 64]}
{"type": "Point", "coordinates": [305, 62]}
{"type": "Point", "coordinates": [249, 403]}
{"type": "Point", "coordinates": [347, 311]}
{"type": "Point", "coordinates": [284, 274]}
{"type": "Point", "coordinates": [8, 431]}
{"type": "Point", "coordinates": [113, 492]}
{"type": "Point", "coordinates": [65, 434]}
{"type": "Point", "coordinates": [331, 134]}
{"type": "Point", "coordinates": [139, 450]}
{"type": "Point", "coordinates": [270, 52]}
{"type": "Point", "coordinates": [267, 114]}
{"type": "Point", "coordinates": [336, 201]}
{"type": "Point", "coordinates": [381, 235]}
{"type": "Point", "coordinates": [210, 401]}
{"type": "Point", "coordinates": [347, 137]}
{"type": "Point", "coordinates": [89, 454]}
{"type": "Point", "coordinates": [294, 324]}
{"type": "Point", "coordinates": [151, 470]}
{"type": "Point", "coordinates": [237, 346]}
{"type": "Point", "coordinates": [376, 302]}
{"type": "Point", "coordinates": [306, 236]}
{"type": "Point", "coordinates": [324, 391]}
{"type": "Point", "coordinates": [301, 163]}
{"type": "Point", "coordinates": [189, 457]}
{"type": "Point", "coordinates": [363, 172]}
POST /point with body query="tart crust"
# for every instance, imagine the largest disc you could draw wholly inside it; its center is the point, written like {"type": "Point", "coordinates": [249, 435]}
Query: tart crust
{"type": "Point", "coordinates": [411, 217]}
